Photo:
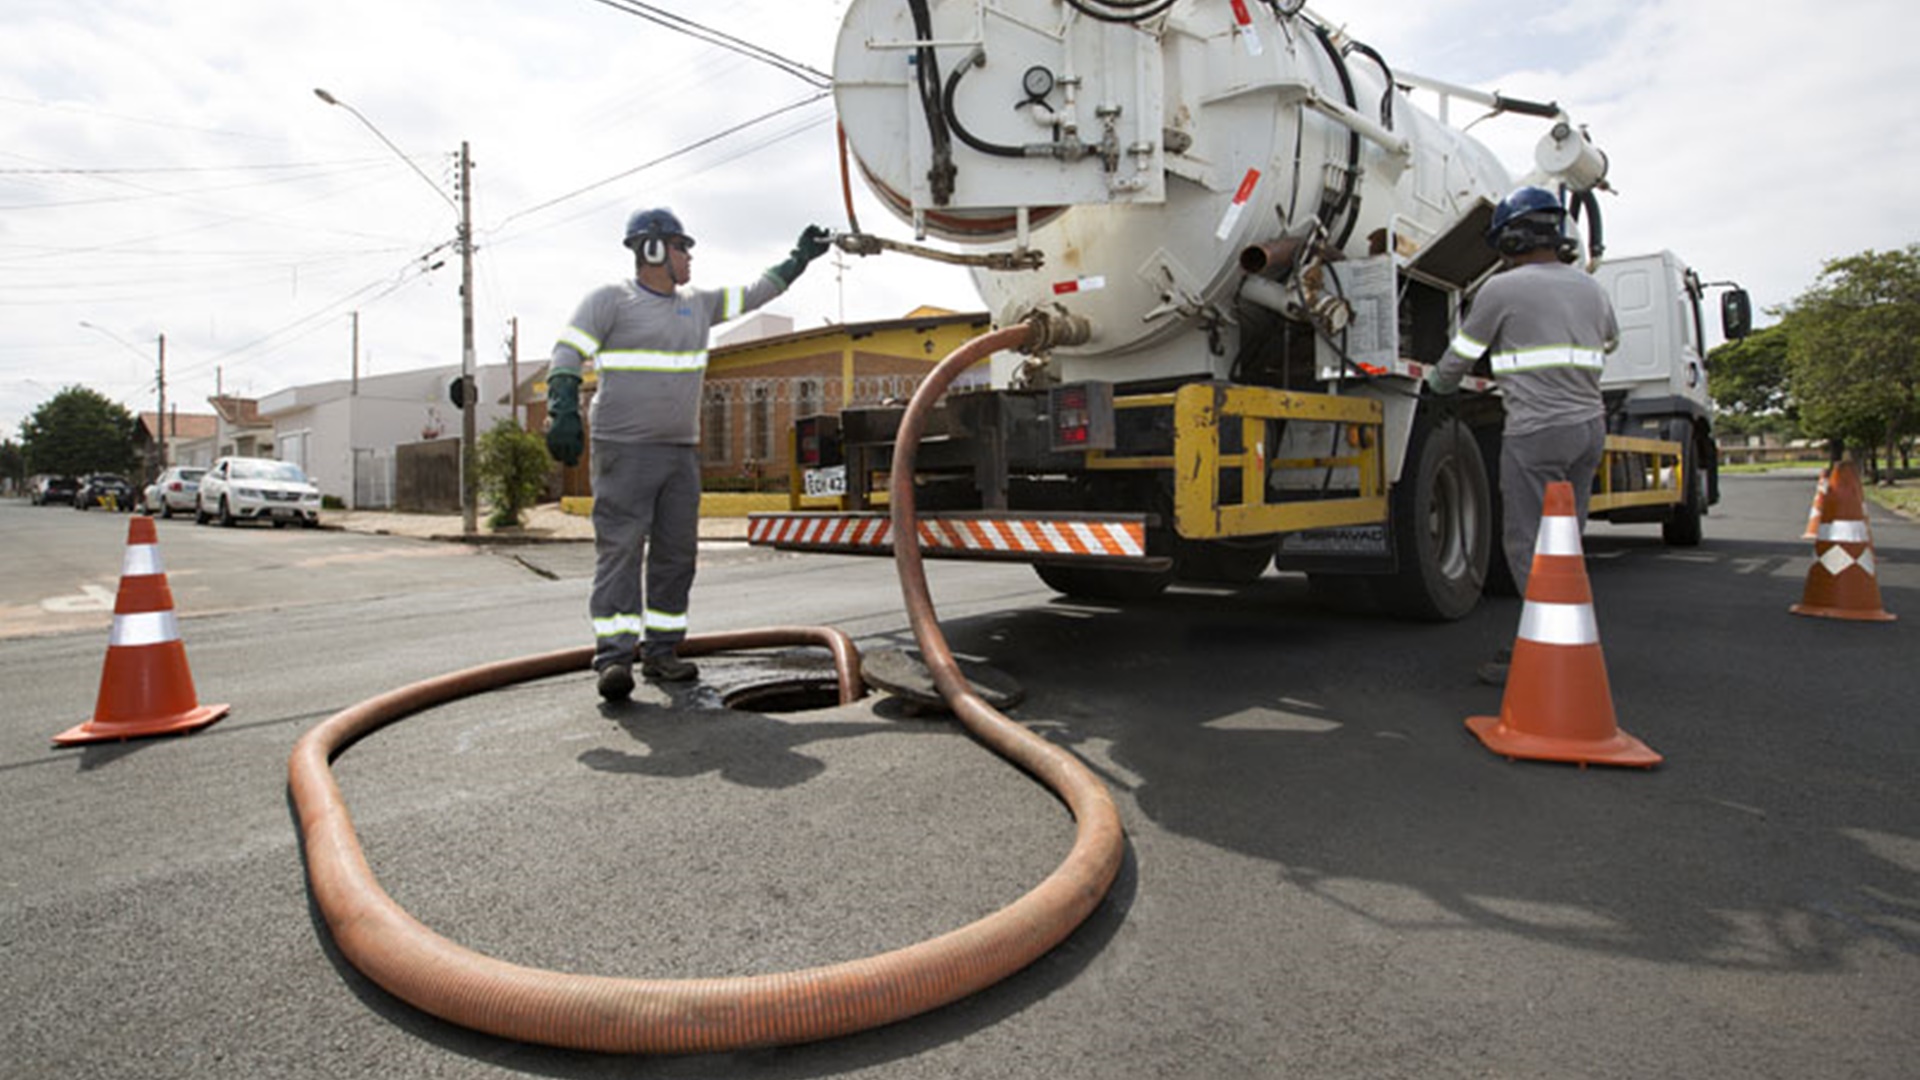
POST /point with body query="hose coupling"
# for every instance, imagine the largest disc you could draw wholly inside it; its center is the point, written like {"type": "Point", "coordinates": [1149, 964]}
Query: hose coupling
{"type": "Point", "coordinates": [1048, 329]}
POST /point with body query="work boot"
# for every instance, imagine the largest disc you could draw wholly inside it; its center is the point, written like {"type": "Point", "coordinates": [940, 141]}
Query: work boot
{"type": "Point", "coordinates": [666, 666]}
{"type": "Point", "coordinates": [616, 682]}
{"type": "Point", "coordinates": [1494, 671]}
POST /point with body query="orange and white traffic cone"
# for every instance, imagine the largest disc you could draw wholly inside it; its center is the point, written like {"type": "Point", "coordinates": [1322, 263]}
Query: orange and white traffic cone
{"type": "Point", "coordinates": [1842, 583]}
{"type": "Point", "coordinates": [145, 687]}
{"type": "Point", "coordinates": [1558, 706]}
{"type": "Point", "coordinates": [1817, 509]}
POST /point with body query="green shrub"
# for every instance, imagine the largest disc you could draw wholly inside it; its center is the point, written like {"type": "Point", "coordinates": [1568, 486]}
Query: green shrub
{"type": "Point", "coordinates": [512, 470]}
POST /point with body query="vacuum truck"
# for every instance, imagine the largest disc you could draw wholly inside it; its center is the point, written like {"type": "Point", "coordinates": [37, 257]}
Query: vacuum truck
{"type": "Point", "coordinates": [1243, 245]}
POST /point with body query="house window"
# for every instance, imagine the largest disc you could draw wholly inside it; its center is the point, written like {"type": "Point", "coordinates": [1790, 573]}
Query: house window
{"type": "Point", "coordinates": [806, 398]}
{"type": "Point", "coordinates": [714, 432]}
{"type": "Point", "coordinates": [760, 424]}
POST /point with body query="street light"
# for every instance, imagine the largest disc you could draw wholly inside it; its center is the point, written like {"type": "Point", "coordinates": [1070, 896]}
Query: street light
{"type": "Point", "coordinates": [464, 240]}
{"type": "Point", "coordinates": [160, 417]}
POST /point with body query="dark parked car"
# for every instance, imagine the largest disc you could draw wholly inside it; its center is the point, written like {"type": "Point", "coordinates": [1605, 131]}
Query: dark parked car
{"type": "Point", "coordinates": [104, 489]}
{"type": "Point", "coordinates": [54, 489]}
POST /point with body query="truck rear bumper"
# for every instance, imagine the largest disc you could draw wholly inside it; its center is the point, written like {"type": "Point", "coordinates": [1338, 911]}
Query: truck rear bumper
{"type": "Point", "coordinates": [1089, 539]}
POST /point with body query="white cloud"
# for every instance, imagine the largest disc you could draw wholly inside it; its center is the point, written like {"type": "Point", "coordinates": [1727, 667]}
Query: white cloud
{"type": "Point", "coordinates": [1755, 145]}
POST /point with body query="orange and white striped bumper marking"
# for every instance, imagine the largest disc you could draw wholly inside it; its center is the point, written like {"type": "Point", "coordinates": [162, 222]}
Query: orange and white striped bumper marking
{"type": "Point", "coordinates": [984, 537]}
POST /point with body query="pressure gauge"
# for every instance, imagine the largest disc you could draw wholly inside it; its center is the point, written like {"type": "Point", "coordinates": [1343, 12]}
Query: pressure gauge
{"type": "Point", "coordinates": [1037, 82]}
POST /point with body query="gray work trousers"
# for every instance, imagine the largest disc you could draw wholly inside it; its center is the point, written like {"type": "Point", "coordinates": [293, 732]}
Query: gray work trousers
{"type": "Point", "coordinates": [642, 493]}
{"type": "Point", "coordinates": [1527, 464]}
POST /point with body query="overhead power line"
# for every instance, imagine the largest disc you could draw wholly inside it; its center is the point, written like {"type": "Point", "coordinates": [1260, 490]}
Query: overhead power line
{"type": "Point", "coordinates": [682, 25]}
{"type": "Point", "coordinates": [666, 157]}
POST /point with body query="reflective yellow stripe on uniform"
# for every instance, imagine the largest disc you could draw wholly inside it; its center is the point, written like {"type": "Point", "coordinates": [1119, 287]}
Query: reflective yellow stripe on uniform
{"type": "Point", "coordinates": [666, 620]}
{"type": "Point", "coordinates": [580, 341]}
{"type": "Point", "coordinates": [1548, 356]}
{"type": "Point", "coordinates": [615, 625]}
{"type": "Point", "coordinates": [648, 360]}
{"type": "Point", "coordinates": [733, 303]}
{"type": "Point", "coordinates": [1468, 347]}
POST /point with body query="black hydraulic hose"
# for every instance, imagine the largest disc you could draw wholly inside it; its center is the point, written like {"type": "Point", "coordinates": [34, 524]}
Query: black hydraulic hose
{"type": "Point", "coordinates": [975, 59]}
{"type": "Point", "coordinates": [1346, 202]}
{"type": "Point", "coordinates": [1120, 11]}
{"type": "Point", "coordinates": [1386, 96]}
{"type": "Point", "coordinates": [940, 175]}
{"type": "Point", "coordinates": [1596, 234]}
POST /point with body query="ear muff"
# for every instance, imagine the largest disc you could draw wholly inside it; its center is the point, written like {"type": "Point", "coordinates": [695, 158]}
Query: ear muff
{"type": "Point", "coordinates": [653, 251]}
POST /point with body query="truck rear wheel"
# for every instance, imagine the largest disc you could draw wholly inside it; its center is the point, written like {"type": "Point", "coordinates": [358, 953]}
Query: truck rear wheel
{"type": "Point", "coordinates": [1683, 527]}
{"type": "Point", "coordinates": [1104, 583]}
{"type": "Point", "coordinates": [1442, 520]}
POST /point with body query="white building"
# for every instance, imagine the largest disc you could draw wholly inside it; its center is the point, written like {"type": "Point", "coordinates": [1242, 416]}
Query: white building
{"type": "Point", "coordinates": [346, 434]}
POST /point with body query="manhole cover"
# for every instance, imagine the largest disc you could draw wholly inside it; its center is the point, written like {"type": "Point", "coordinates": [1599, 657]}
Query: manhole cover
{"type": "Point", "coordinates": [904, 675]}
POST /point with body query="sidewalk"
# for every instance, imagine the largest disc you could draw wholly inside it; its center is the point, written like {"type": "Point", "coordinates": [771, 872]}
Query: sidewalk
{"type": "Point", "coordinates": [545, 523]}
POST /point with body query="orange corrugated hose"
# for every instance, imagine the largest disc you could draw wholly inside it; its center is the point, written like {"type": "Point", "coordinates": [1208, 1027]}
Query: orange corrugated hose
{"type": "Point", "coordinates": [588, 1012]}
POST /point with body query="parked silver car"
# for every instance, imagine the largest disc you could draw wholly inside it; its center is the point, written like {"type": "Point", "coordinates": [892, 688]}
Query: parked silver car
{"type": "Point", "coordinates": [256, 489]}
{"type": "Point", "coordinates": [177, 489]}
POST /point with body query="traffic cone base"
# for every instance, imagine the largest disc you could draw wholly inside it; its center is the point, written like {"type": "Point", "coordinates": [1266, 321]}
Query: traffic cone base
{"type": "Point", "coordinates": [145, 686]}
{"type": "Point", "coordinates": [1568, 715]}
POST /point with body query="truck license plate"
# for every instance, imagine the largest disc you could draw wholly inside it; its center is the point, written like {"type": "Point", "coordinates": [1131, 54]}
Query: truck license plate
{"type": "Point", "coordinates": [825, 482]}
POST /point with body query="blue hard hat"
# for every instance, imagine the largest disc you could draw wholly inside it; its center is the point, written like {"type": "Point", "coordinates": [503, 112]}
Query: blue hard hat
{"type": "Point", "coordinates": [1519, 204]}
{"type": "Point", "coordinates": [657, 223]}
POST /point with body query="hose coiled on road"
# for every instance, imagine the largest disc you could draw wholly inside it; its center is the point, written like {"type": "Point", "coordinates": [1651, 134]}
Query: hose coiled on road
{"type": "Point", "coordinates": [624, 1015]}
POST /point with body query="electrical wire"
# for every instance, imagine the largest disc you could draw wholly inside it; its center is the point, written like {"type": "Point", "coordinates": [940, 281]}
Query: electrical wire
{"type": "Point", "coordinates": [682, 25]}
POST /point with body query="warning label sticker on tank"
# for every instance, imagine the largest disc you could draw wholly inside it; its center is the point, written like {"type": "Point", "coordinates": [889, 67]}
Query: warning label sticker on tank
{"type": "Point", "coordinates": [1240, 198]}
{"type": "Point", "coordinates": [1243, 28]}
{"type": "Point", "coordinates": [1085, 284]}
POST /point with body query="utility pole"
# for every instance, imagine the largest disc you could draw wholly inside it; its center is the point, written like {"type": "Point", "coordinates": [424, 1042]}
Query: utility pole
{"type": "Point", "coordinates": [353, 386]}
{"type": "Point", "coordinates": [469, 482]}
{"type": "Point", "coordinates": [513, 368]}
{"type": "Point", "coordinates": [160, 418]}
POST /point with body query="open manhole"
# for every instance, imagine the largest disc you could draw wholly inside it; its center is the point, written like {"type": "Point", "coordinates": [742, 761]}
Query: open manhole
{"type": "Point", "coordinates": [785, 682]}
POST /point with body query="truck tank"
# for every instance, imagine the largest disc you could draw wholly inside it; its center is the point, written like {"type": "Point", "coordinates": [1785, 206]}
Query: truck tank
{"type": "Point", "coordinates": [1149, 154]}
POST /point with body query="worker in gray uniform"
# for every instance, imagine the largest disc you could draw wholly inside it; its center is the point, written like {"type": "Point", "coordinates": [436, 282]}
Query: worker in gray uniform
{"type": "Point", "coordinates": [647, 337]}
{"type": "Point", "coordinates": [1546, 328]}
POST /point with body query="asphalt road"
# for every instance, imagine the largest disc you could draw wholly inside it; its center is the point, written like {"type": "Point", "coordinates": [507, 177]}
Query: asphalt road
{"type": "Point", "coordinates": [1326, 875]}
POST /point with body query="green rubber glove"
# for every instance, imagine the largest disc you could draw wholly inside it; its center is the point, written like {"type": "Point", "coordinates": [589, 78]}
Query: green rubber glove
{"type": "Point", "coordinates": [812, 244]}
{"type": "Point", "coordinates": [566, 439]}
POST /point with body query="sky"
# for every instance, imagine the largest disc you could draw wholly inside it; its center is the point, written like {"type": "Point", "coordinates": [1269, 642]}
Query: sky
{"type": "Point", "coordinates": [167, 170]}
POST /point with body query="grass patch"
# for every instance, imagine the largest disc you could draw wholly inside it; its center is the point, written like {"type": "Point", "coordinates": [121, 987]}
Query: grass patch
{"type": "Point", "coordinates": [1903, 498]}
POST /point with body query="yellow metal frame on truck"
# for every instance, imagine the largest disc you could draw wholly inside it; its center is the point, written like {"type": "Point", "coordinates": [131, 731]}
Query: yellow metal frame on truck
{"type": "Point", "coordinates": [1639, 472]}
{"type": "Point", "coordinates": [1200, 461]}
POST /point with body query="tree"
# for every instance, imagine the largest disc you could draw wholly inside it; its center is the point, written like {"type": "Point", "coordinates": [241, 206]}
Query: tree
{"type": "Point", "coordinates": [78, 431]}
{"type": "Point", "coordinates": [13, 465]}
{"type": "Point", "coordinates": [513, 467]}
{"type": "Point", "coordinates": [1750, 376]}
{"type": "Point", "coordinates": [1854, 352]}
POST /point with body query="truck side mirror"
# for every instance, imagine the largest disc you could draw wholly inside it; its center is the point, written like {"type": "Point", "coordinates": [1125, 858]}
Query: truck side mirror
{"type": "Point", "coordinates": [1736, 314]}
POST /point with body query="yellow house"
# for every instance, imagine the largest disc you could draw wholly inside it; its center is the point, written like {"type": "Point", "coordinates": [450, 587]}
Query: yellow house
{"type": "Point", "coordinates": [756, 388]}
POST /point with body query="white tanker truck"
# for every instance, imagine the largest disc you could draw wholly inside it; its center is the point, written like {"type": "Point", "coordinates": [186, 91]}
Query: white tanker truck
{"type": "Point", "coordinates": [1261, 244]}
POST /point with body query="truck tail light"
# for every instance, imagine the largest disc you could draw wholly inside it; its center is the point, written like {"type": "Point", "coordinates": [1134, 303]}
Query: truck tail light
{"type": "Point", "coordinates": [1080, 416]}
{"type": "Point", "coordinates": [816, 441]}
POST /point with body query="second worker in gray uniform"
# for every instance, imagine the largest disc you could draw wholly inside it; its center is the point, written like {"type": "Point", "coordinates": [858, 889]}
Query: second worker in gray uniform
{"type": "Point", "coordinates": [1546, 328]}
{"type": "Point", "coordinates": [647, 337]}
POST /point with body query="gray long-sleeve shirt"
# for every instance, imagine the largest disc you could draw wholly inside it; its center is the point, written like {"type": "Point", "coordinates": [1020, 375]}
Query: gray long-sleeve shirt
{"type": "Point", "coordinates": [650, 351]}
{"type": "Point", "coordinates": [1547, 328]}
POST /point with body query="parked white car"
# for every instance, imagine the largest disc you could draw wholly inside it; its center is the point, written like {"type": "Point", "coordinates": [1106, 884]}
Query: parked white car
{"type": "Point", "coordinates": [256, 489]}
{"type": "Point", "coordinates": [177, 489]}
